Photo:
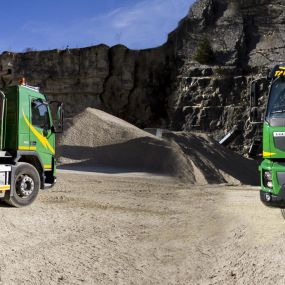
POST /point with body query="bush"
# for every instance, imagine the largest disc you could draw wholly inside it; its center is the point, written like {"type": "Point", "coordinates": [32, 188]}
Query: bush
{"type": "Point", "coordinates": [204, 53]}
{"type": "Point", "coordinates": [220, 71]}
{"type": "Point", "coordinates": [29, 49]}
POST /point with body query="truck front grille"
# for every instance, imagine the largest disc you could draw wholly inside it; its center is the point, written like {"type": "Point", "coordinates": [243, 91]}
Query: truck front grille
{"type": "Point", "coordinates": [279, 143]}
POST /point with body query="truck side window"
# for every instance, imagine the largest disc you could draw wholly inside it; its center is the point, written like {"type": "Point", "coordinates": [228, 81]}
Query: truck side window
{"type": "Point", "coordinates": [40, 115]}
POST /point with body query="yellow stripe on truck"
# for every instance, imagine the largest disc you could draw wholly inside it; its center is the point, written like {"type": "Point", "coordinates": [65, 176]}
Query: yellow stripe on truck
{"type": "Point", "coordinates": [266, 154]}
{"type": "Point", "coordinates": [22, 147]}
{"type": "Point", "coordinates": [4, 187]}
{"type": "Point", "coordinates": [47, 166]}
{"type": "Point", "coordinates": [40, 137]}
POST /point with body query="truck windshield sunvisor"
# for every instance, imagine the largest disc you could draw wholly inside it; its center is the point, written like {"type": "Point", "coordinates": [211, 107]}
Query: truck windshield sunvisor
{"type": "Point", "coordinates": [276, 103]}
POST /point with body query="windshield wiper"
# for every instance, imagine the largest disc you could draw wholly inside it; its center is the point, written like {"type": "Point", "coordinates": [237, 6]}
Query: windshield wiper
{"type": "Point", "coordinates": [278, 111]}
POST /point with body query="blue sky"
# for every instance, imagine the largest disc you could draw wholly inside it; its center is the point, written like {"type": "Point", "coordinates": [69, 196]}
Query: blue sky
{"type": "Point", "coordinates": [53, 24]}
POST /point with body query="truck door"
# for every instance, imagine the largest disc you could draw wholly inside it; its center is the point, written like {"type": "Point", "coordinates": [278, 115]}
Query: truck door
{"type": "Point", "coordinates": [42, 138]}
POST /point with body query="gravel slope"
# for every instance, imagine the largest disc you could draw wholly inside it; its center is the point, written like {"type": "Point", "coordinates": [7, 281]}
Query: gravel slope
{"type": "Point", "coordinates": [102, 142]}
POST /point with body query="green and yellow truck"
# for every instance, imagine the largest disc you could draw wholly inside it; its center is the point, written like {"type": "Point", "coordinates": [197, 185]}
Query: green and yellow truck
{"type": "Point", "coordinates": [28, 124]}
{"type": "Point", "coordinates": [272, 167]}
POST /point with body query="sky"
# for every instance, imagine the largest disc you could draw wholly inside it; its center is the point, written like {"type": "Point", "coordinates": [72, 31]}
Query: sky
{"type": "Point", "coordinates": [41, 25]}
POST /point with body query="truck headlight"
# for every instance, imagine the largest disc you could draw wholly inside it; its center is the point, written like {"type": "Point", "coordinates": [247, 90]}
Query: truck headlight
{"type": "Point", "coordinates": [268, 179]}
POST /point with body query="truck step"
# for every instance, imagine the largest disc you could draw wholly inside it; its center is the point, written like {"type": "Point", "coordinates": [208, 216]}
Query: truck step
{"type": "Point", "coordinates": [5, 154]}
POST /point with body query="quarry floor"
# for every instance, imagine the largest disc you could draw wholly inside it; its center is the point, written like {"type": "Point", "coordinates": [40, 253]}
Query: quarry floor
{"type": "Point", "coordinates": [124, 229]}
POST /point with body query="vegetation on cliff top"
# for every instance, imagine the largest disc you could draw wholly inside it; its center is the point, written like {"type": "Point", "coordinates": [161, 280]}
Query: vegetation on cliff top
{"type": "Point", "coordinates": [204, 53]}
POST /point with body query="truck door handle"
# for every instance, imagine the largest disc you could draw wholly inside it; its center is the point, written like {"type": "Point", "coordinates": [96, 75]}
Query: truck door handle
{"type": "Point", "coordinates": [33, 142]}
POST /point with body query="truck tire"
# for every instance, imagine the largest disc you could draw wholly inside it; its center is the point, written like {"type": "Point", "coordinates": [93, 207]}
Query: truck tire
{"type": "Point", "coordinates": [26, 187]}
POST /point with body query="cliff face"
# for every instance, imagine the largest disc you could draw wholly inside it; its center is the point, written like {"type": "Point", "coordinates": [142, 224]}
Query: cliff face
{"type": "Point", "coordinates": [247, 38]}
{"type": "Point", "coordinates": [165, 87]}
{"type": "Point", "coordinates": [129, 84]}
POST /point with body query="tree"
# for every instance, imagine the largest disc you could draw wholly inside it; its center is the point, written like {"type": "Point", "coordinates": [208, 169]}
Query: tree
{"type": "Point", "coordinates": [28, 49]}
{"type": "Point", "coordinates": [204, 53]}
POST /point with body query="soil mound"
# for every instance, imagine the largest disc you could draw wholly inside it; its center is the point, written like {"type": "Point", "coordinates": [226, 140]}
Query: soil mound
{"type": "Point", "coordinates": [98, 141]}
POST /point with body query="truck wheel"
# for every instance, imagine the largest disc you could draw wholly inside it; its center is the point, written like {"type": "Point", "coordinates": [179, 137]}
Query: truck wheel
{"type": "Point", "coordinates": [27, 185]}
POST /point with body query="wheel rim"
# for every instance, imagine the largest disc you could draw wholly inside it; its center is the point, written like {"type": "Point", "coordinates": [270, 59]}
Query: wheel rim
{"type": "Point", "coordinates": [24, 186]}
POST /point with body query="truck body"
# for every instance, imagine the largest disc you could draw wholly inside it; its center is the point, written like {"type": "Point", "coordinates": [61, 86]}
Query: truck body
{"type": "Point", "coordinates": [27, 143]}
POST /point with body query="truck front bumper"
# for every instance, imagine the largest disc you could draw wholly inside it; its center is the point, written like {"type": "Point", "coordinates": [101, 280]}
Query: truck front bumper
{"type": "Point", "coordinates": [271, 200]}
{"type": "Point", "coordinates": [272, 192]}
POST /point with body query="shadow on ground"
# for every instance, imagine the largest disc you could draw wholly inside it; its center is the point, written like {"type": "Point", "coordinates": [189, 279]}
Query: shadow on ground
{"type": "Point", "coordinates": [138, 155]}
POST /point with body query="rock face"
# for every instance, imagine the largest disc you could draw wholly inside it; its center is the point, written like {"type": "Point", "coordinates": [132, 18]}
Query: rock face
{"type": "Point", "coordinates": [129, 84]}
{"type": "Point", "coordinates": [165, 86]}
{"type": "Point", "coordinates": [247, 40]}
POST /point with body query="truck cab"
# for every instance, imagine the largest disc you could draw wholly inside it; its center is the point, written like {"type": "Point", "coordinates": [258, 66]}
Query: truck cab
{"type": "Point", "coordinates": [28, 126]}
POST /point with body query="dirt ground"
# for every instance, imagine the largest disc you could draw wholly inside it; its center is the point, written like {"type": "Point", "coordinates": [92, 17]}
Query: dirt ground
{"type": "Point", "coordinates": [119, 229]}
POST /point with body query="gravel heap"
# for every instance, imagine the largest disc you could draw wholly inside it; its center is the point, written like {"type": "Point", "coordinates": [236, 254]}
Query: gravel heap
{"type": "Point", "coordinates": [97, 141]}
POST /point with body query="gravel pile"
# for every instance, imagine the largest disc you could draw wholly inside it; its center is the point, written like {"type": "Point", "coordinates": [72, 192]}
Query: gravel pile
{"type": "Point", "coordinates": [97, 141]}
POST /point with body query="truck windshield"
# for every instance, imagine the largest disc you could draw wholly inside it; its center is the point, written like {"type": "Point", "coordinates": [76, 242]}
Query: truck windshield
{"type": "Point", "coordinates": [276, 104]}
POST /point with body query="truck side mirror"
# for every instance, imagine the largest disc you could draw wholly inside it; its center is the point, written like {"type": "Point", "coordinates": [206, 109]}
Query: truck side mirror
{"type": "Point", "coordinates": [45, 132]}
{"type": "Point", "coordinates": [57, 115]}
{"type": "Point", "coordinates": [254, 96]}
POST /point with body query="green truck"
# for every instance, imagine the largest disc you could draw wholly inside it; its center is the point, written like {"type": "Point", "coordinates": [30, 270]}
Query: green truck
{"type": "Point", "coordinates": [272, 168]}
{"type": "Point", "coordinates": [27, 143]}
